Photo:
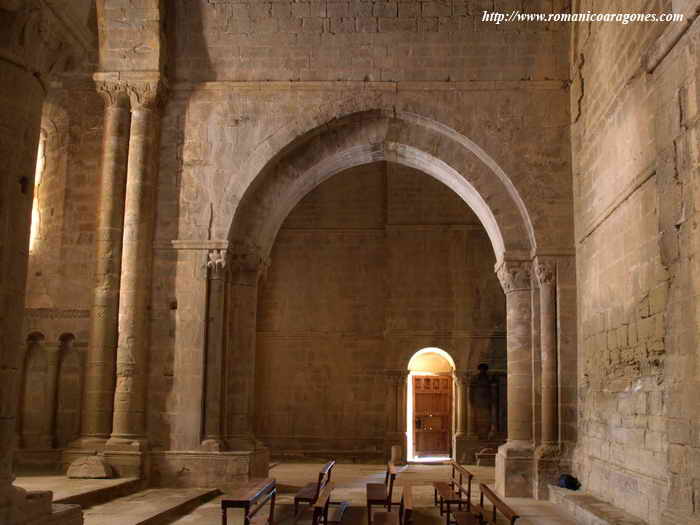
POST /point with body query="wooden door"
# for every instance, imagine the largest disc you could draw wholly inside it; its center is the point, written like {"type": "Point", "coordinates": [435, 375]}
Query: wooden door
{"type": "Point", "coordinates": [432, 417]}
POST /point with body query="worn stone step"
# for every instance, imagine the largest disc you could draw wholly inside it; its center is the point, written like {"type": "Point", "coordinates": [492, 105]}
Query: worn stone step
{"type": "Point", "coordinates": [83, 492]}
{"type": "Point", "coordinates": [101, 494]}
{"type": "Point", "coordinates": [586, 509]}
{"type": "Point", "coordinates": [149, 507]}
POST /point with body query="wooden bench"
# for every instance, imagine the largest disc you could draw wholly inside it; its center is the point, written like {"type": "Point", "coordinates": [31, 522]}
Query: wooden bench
{"type": "Point", "coordinates": [310, 492]}
{"type": "Point", "coordinates": [381, 493]}
{"type": "Point", "coordinates": [403, 516]}
{"type": "Point", "coordinates": [485, 515]}
{"type": "Point", "coordinates": [251, 497]}
{"type": "Point", "coordinates": [321, 504]}
{"type": "Point", "coordinates": [452, 492]}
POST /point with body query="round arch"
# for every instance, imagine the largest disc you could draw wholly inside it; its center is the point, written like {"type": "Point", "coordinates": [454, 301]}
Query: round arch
{"type": "Point", "coordinates": [371, 136]}
{"type": "Point", "coordinates": [431, 350]}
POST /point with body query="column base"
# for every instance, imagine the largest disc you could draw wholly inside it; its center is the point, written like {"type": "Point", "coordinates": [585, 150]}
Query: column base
{"type": "Point", "coordinates": [515, 469]}
{"type": "Point", "coordinates": [550, 463]}
{"type": "Point", "coordinates": [127, 456]}
{"type": "Point", "coordinates": [89, 443]}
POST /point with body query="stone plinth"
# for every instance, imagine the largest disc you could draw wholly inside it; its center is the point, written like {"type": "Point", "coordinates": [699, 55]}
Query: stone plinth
{"type": "Point", "coordinates": [515, 470]}
{"type": "Point", "coordinates": [207, 469]}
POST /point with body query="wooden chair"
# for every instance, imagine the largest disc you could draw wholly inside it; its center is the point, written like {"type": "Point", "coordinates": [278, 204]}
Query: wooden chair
{"type": "Point", "coordinates": [321, 505]}
{"type": "Point", "coordinates": [381, 493]}
{"type": "Point", "coordinates": [310, 492]}
{"type": "Point", "coordinates": [404, 516]}
{"type": "Point", "coordinates": [489, 515]}
{"type": "Point", "coordinates": [252, 498]}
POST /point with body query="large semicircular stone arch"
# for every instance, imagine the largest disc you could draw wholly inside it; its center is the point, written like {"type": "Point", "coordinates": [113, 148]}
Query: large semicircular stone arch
{"type": "Point", "coordinates": [378, 135]}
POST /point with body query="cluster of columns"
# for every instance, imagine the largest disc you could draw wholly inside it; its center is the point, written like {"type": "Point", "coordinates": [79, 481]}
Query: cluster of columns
{"type": "Point", "coordinates": [521, 458]}
{"type": "Point", "coordinates": [466, 410]}
{"type": "Point", "coordinates": [113, 413]}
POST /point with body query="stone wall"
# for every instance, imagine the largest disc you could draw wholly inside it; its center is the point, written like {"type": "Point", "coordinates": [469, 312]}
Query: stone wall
{"type": "Point", "coordinates": [362, 40]}
{"type": "Point", "coordinates": [373, 265]}
{"type": "Point", "coordinates": [634, 162]}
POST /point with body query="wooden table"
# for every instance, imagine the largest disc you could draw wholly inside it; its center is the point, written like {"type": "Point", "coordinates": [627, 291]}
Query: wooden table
{"type": "Point", "coordinates": [253, 494]}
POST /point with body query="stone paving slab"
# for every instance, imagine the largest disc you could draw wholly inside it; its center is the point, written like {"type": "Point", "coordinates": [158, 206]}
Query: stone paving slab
{"type": "Point", "coordinates": [66, 490]}
{"type": "Point", "coordinates": [148, 507]}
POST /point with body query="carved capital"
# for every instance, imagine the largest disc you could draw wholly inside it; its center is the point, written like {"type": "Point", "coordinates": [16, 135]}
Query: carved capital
{"type": "Point", "coordinates": [216, 262]}
{"type": "Point", "coordinates": [148, 94]}
{"type": "Point", "coordinates": [114, 94]}
{"type": "Point", "coordinates": [514, 275]}
{"type": "Point", "coordinates": [545, 270]}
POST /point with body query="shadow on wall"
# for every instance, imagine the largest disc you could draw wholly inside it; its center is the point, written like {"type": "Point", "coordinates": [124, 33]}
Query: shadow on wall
{"type": "Point", "coordinates": [50, 400]}
{"type": "Point", "coordinates": [178, 160]}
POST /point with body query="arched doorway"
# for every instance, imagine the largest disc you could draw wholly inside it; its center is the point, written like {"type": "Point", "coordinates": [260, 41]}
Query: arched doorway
{"type": "Point", "coordinates": [430, 405]}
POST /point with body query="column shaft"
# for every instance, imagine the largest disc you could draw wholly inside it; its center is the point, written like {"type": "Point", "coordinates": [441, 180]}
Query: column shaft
{"type": "Point", "coordinates": [214, 351]}
{"type": "Point", "coordinates": [548, 338]}
{"type": "Point", "coordinates": [240, 357]}
{"type": "Point", "coordinates": [519, 366]}
{"type": "Point", "coordinates": [98, 395]}
{"type": "Point", "coordinates": [129, 420]}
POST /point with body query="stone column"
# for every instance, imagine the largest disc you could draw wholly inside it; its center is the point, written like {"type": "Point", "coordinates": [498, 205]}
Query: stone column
{"type": "Point", "coordinates": [216, 294]}
{"type": "Point", "coordinates": [464, 438]}
{"type": "Point", "coordinates": [396, 416]}
{"type": "Point", "coordinates": [53, 357]}
{"type": "Point", "coordinates": [98, 394]}
{"type": "Point", "coordinates": [514, 462]}
{"type": "Point", "coordinates": [460, 379]}
{"type": "Point", "coordinates": [247, 266]}
{"type": "Point", "coordinates": [546, 274]}
{"type": "Point", "coordinates": [547, 456]}
{"type": "Point", "coordinates": [129, 420]}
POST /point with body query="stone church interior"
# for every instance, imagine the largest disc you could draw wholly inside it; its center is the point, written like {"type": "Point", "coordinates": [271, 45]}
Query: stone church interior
{"type": "Point", "coordinates": [350, 261]}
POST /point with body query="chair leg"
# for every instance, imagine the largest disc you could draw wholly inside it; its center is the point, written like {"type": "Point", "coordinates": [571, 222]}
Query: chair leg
{"type": "Point", "coordinates": [369, 514]}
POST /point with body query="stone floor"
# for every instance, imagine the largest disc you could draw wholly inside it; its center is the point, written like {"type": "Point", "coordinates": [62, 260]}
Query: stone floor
{"type": "Point", "coordinates": [350, 483]}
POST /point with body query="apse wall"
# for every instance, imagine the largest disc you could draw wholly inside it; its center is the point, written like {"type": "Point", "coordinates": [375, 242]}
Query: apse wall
{"type": "Point", "coordinates": [635, 154]}
{"type": "Point", "coordinates": [373, 265]}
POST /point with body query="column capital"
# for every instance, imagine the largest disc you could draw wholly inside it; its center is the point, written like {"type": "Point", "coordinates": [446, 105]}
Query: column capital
{"type": "Point", "coordinates": [216, 262]}
{"type": "Point", "coordinates": [463, 377]}
{"type": "Point", "coordinates": [514, 275]}
{"type": "Point", "coordinates": [145, 90]}
{"type": "Point", "coordinates": [246, 262]}
{"type": "Point", "coordinates": [545, 270]}
{"type": "Point", "coordinates": [113, 93]}
{"type": "Point", "coordinates": [148, 94]}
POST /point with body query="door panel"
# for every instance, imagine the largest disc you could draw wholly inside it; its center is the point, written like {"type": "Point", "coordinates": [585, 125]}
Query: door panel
{"type": "Point", "coordinates": [432, 402]}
